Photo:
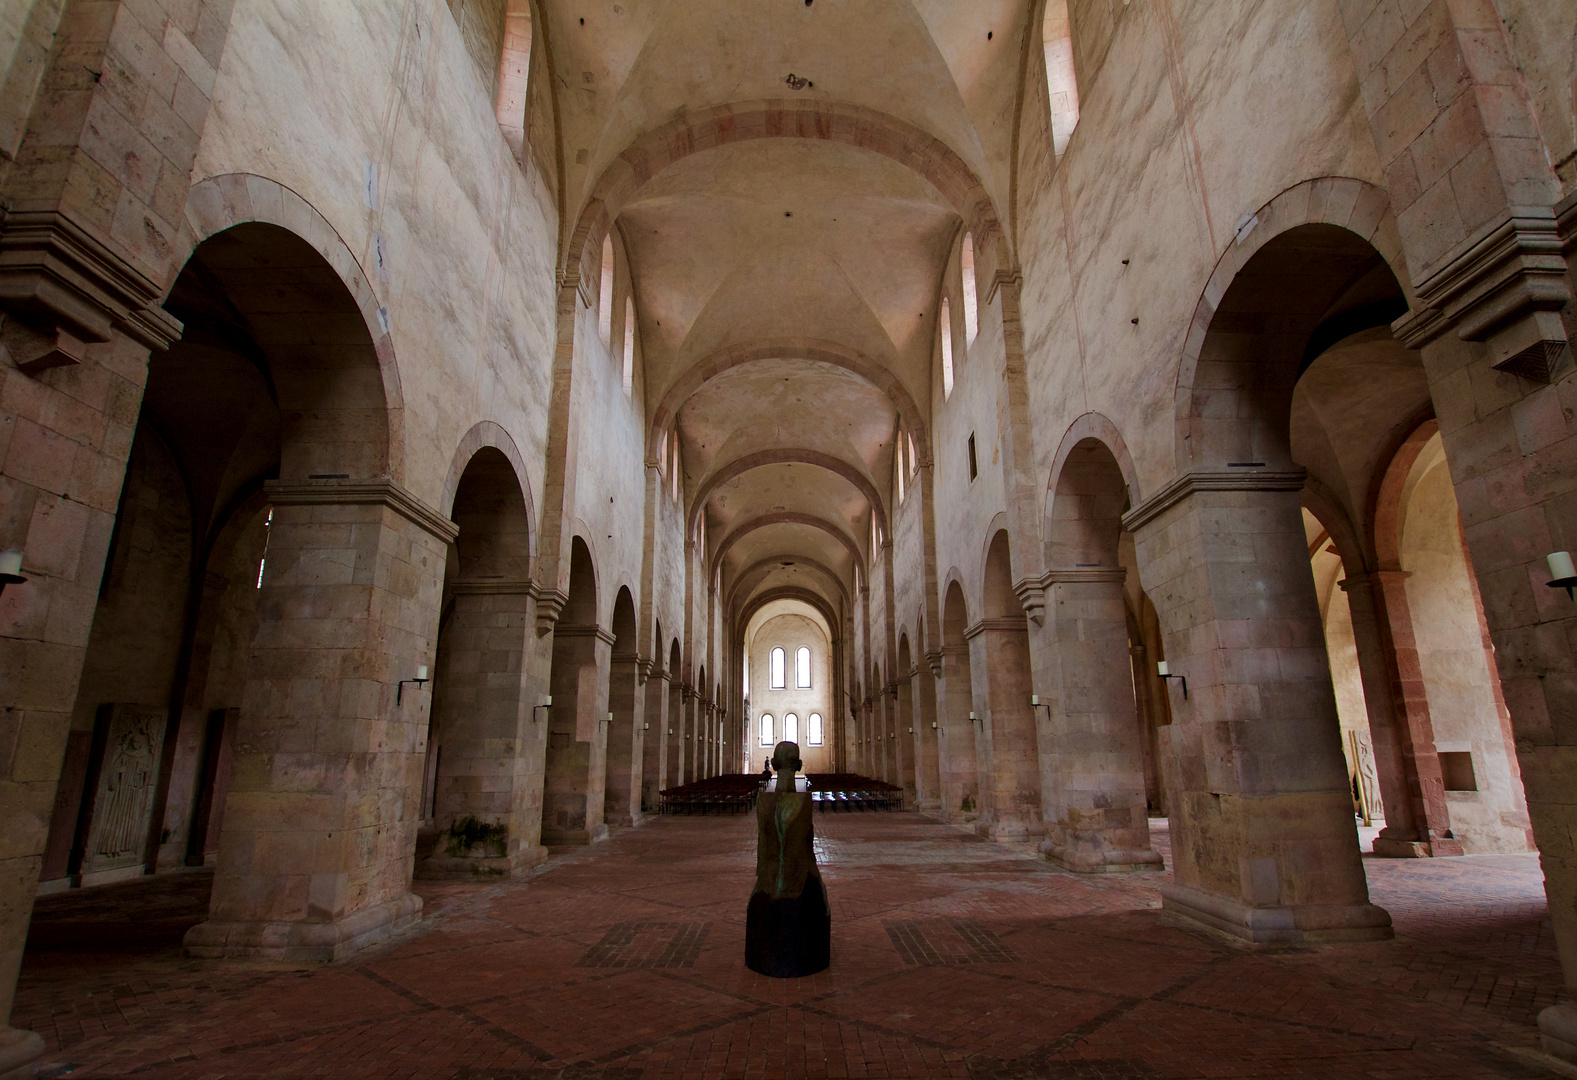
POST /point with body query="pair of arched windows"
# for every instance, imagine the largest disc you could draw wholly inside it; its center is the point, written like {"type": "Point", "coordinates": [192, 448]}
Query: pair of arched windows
{"type": "Point", "coordinates": [813, 729]}
{"type": "Point", "coordinates": [779, 674]}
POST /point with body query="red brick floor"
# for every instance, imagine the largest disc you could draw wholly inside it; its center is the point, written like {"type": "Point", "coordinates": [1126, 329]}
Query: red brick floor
{"type": "Point", "coordinates": [952, 957]}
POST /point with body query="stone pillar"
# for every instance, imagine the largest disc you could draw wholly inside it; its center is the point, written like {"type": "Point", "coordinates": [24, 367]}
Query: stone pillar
{"type": "Point", "coordinates": [488, 803]}
{"type": "Point", "coordinates": [577, 750]}
{"type": "Point", "coordinates": [1263, 837]}
{"type": "Point", "coordinates": [1099, 822]}
{"type": "Point", "coordinates": [627, 703]}
{"type": "Point", "coordinates": [654, 732]}
{"type": "Point", "coordinates": [956, 742]}
{"type": "Point", "coordinates": [320, 821]}
{"type": "Point", "coordinates": [1412, 790]}
{"type": "Point", "coordinates": [928, 788]}
{"type": "Point", "coordinates": [1010, 783]}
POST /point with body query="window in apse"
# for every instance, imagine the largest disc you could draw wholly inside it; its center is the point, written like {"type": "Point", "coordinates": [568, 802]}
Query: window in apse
{"type": "Point", "coordinates": [945, 326]}
{"type": "Point", "coordinates": [766, 729]}
{"type": "Point", "coordinates": [813, 729]}
{"type": "Point", "coordinates": [791, 728]}
{"type": "Point", "coordinates": [802, 668]}
{"type": "Point", "coordinates": [779, 657]}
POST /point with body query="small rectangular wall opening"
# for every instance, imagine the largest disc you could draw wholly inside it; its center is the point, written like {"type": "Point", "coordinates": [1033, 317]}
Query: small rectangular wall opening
{"type": "Point", "coordinates": [974, 464]}
{"type": "Point", "coordinates": [1456, 768]}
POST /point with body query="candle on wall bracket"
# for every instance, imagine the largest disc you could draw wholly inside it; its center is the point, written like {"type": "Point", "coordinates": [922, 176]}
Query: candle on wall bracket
{"type": "Point", "coordinates": [420, 680]}
{"type": "Point", "coordinates": [1563, 575]}
{"type": "Point", "coordinates": [973, 719]}
{"type": "Point", "coordinates": [1036, 703]}
{"type": "Point", "coordinates": [547, 704]}
{"type": "Point", "coordinates": [1164, 672]}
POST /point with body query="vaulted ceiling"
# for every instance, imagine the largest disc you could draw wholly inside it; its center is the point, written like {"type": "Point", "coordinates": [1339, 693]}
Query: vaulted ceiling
{"type": "Point", "coordinates": [787, 288]}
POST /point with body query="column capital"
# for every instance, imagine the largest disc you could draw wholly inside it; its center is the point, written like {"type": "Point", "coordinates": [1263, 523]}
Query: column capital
{"type": "Point", "coordinates": [345, 492]}
{"type": "Point", "coordinates": [1235, 478]}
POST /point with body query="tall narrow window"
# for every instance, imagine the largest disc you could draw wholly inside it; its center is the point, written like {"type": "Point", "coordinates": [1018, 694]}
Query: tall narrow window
{"type": "Point", "coordinates": [779, 657]}
{"type": "Point", "coordinates": [514, 75]}
{"type": "Point", "coordinates": [791, 728]}
{"type": "Point", "coordinates": [1057, 36]}
{"type": "Point", "coordinates": [802, 668]}
{"type": "Point", "coordinates": [629, 345]}
{"type": "Point", "coordinates": [766, 729]}
{"type": "Point", "coordinates": [675, 469]}
{"type": "Point", "coordinates": [971, 297]}
{"type": "Point", "coordinates": [605, 293]}
{"type": "Point", "coordinates": [813, 729]}
{"type": "Point", "coordinates": [900, 470]}
{"type": "Point", "coordinates": [914, 462]}
{"type": "Point", "coordinates": [945, 328]}
{"type": "Point", "coordinates": [974, 464]}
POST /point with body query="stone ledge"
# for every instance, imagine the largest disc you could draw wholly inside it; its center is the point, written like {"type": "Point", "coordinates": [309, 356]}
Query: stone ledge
{"type": "Point", "coordinates": [1309, 925]}
{"type": "Point", "coordinates": [301, 940]}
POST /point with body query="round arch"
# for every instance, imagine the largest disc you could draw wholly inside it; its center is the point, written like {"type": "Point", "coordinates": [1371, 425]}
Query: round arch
{"type": "Point", "coordinates": [1097, 426]}
{"type": "Point", "coordinates": [217, 203]}
{"type": "Point", "coordinates": [787, 517]}
{"type": "Point", "coordinates": [778, 118]}
{"type": "Point", "coordinates": [786, 456]}
{"type": "Point", "coordinates": [488, 434]}
{"type": "Point", "coordinates": [1347, 203]}
{"type": "Point", "coordinates": [699, 374]}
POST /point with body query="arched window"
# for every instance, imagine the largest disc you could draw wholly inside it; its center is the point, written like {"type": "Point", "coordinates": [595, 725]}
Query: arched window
{"type": "Point", "coordinates": [802, 668]}
{"type": "Point", "coordinates": [898, 467]}
{"type": "Point", "coordinates": [914, 462]}
{"type": "Point", "coordinates": [1057, 36]}
{"type": "Point", "coordinates": [514, 76]}
{"type": "Point", "coordinates": [791, 728]}
{"type": "Point", "coordinates": [766, 729]}
{"type": "Point", "coordinates": [605, 293]}
{"type": "Point", "coordinates": [813, 729]}
{"type": "Point", "coordinates": [945, 328]}
{"type": "Point", "coordinates": [971, 296]}
{"type": "Point", "coordinates": [629, 345]}
{"type": "Point", "coordinates": [779, 657]}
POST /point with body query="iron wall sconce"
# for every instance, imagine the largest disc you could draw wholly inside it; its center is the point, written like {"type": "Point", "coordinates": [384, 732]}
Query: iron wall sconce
{"type": "Point", "coordinates": [1161, 670]}
{"type": "Point", "coordinates": [548, 704]}
{"type": "Point", "coordinates": [420, 680]}
{"type": "Point", "coordinates": [11, 568]}
{"type": "Point", "coordinates": [1562, 573]}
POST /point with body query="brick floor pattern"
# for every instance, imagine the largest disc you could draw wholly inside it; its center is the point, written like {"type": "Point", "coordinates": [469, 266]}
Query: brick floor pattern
{"type": "Point", "coordinates": [952, 957]}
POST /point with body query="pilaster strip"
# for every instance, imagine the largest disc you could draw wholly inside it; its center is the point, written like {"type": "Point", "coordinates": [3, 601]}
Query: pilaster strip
{"type": "Point", "coordinates": [1195, 480]}
{"type": "Point", "coordinates": [383, 492]}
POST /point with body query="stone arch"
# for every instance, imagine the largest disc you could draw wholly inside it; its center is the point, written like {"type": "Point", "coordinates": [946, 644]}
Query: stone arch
{"type": "Point", "coordinates": [1342, 204]}
{"type": "Point", "coordinates": [815, 564]}
{"type": "Point", "coordinates": [1100, 428]}
{"type": "Point", "coordinates": [1090, 491]}
{"type": "Point", "coordinates": [217, 204]}
{"type": "Point", "coordinates": [1385, 529]}
{"type": "Point", "coordinates": [486, 433]}
{"type": "Point", "coordinates": [792, 456]}
{"type": "Point", "coordinates": [622, 784]}
{"type": "Point", "coordinates": [826, 352]}
{"type": "Point", "coordinates": [959, 752]}
{"type": "Point", "coordinates": [839, 122]}
{"type": "Point", "coordinates": [785, 518]}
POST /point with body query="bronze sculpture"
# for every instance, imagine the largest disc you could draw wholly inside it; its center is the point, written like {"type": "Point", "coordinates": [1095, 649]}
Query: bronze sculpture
{"type": "Point", "coordinates": [788, 925]}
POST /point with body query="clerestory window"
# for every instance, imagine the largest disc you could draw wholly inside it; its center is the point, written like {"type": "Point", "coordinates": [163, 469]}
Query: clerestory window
{"type": "Point", "coordinates": [802, 668]}
{"type": "Point", "coordinates": [778, 663]}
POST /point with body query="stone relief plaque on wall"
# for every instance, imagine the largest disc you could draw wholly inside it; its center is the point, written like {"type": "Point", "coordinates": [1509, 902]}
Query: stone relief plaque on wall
{"type": "Point", "coordinates": [123, 801]}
